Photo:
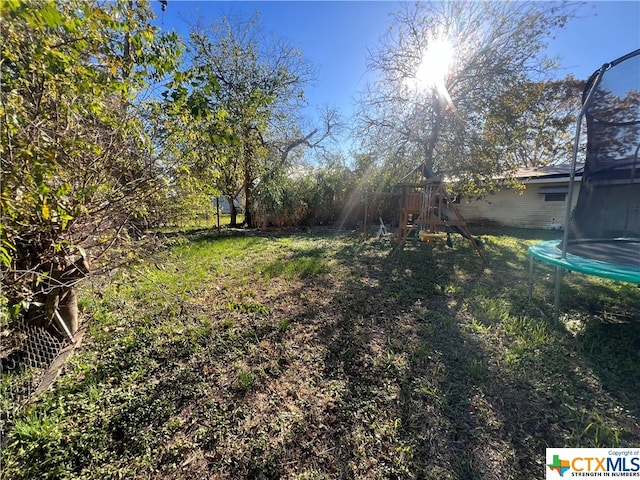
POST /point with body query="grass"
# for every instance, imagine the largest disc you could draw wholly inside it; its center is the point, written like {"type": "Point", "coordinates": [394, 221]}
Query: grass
{"type": "Point", "coordinates": [317, 356]}
{"type": "Point", "coordinates": [206, 222]}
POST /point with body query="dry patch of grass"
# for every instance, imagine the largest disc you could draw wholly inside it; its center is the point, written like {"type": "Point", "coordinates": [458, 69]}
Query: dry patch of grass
{"type": "Point", "coordinates": [317, 356]}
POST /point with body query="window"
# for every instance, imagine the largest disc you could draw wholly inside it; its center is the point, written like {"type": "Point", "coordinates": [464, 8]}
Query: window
{"type": "Point", "coordinates": [555, 197]}
{"type": "Point", "coordinates": [555, 193]}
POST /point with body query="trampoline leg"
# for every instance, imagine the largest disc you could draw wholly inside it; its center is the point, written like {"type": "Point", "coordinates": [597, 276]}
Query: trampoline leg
{"type": "Point", "coordinates": [556, 296]}
{"type": "Point", "coordinates": [530, 276]}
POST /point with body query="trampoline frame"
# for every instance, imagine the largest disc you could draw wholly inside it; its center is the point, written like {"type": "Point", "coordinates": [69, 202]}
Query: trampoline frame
{"type": "Point", "coordinates": [549, 252]}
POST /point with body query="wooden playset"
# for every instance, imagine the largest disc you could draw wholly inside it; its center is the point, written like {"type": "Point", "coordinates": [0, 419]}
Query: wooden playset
{"type": "Point", "coordinates": [427, 212]}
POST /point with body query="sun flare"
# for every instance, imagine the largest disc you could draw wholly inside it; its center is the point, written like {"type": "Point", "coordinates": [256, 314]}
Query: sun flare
{"type": "Point", "coordinates": [433, 69]}
{"type": "Point", "coordinates": [435, 63]}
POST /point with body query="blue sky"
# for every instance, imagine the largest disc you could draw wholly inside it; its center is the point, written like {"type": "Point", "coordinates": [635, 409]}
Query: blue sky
{"type": "Point", "coordinates": [335, 36]}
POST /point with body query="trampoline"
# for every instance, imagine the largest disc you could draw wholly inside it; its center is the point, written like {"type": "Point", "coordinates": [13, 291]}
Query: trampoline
{"type": "Point", "coordinates": [602, 234]}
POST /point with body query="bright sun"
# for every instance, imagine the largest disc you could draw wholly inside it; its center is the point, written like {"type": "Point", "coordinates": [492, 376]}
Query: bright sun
{"type": "Point", "coordinates": [433, 69]}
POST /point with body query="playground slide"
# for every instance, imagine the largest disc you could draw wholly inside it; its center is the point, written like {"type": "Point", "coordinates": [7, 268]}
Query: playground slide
{"type": "Point", "coordinates": [465, 233]}
{"type": "Point", "coordinates": [461, 230]}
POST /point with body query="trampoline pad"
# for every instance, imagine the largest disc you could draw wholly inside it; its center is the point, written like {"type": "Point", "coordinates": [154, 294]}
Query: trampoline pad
{"type": "Point", "coordinates": [619, 251]}
{"type": "Point", "coordinates": [550, 252]}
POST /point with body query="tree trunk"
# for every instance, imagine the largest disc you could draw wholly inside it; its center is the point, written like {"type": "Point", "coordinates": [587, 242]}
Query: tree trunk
{"type": "Point", "coordinates": [248, 217]}
{"type": "Point", "coordinates": [68, 309]}
{"type": "Point", "coordinates": [233, 212]}
{"type": "Point", "coordinates": [248, 180]}
{"type": "Point", "coordinates": [59, 314]}
{"type": "Point", "coordinates": [432, 140]}
{"type": "Point", "coordinates": [61, 305]}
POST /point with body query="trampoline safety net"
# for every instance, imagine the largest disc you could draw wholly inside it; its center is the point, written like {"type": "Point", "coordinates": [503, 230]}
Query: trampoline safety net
{"type": "Point", "coordinates": [606, 221]}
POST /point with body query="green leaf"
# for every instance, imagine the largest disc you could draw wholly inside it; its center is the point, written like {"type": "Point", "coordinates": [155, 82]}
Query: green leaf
{"type": "Point", "coordinates": [5, 257]}
{"type": "Point", "coordinates": [51, 16]}
{"type": "Point", "coordinates": [41, 278]}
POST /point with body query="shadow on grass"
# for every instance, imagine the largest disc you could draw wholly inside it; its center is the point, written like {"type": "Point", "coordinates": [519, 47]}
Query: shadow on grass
{"type": "Point", "coordinates": [601, 319]}
{"type": "Point", "coordinates": [416, 383]}
{"type": "Point", "coordinates": [466, 409]}
{"type": "Point", "coordinates": [614, 351]}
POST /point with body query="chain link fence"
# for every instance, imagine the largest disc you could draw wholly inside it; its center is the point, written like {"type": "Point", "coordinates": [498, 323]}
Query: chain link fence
{"type": "Point", "coordinates": [27, 355]}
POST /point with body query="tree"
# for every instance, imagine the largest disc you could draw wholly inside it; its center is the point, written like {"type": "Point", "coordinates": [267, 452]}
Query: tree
{"type": "Point", "coordinates": [261, 83]}
{"type": "Point", "coordinates": [441, 69]}
{"type": "Point", "coordinates": [288, 146]}
{"type": "Point", "coordinates": [304, 195]}
{"type": "Point", "coordinates": [533, 125]}
{"type": "Point", "coordinates": [78, 168]}
{"type": "Point", "coordinates": [197, 142]}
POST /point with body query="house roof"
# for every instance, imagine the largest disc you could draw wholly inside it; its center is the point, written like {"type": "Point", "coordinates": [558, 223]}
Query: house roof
{"type": "Point", "coordinates": [549, 172]}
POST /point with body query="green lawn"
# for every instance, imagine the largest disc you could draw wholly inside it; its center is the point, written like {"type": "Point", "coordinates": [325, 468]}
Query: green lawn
{"type": "Point", "coordinates": [315, 356]}
{"type": "Point", "coordinates": [205, 223]}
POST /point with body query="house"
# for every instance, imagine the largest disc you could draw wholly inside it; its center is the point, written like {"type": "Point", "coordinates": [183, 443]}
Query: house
{"type": "Point", "coordinates": [223, 203]}
{"type": "Point", "coordinates": [541, 204]}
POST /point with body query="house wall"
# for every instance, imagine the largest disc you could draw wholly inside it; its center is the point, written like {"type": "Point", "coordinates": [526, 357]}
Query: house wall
{"type": "Point", "coordinates": [526, 210]}
{"type": "Point", "coordinates": [225, 208]}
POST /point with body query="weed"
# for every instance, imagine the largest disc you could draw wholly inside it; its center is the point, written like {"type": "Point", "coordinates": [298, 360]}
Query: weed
{"type": "Point", "coordinates": [37, 427]}
{"type": "Point", "coordinates": [246, 379]}
{"type": "Point", "coordinates": [601, 436]}
{"type": "Point", "coordinates": [476, 370]}
{"type": "Point", "coordinates": [248, 308]}
{"type": "Point", "coordinates": [421, 351]}
{"type": "Point", "coordinates": [284, 325]}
